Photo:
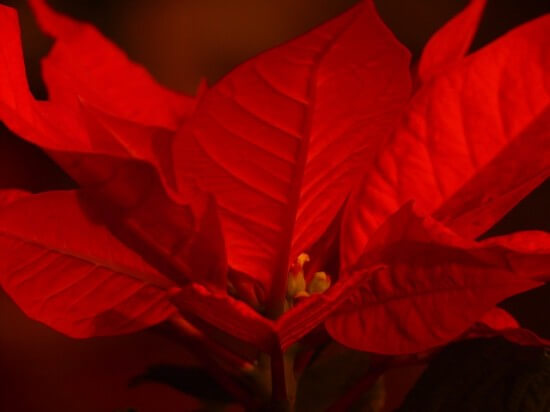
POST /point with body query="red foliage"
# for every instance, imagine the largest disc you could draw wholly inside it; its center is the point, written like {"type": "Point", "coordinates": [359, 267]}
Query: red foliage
{"type": "Point", "coordinates": [200, 205]}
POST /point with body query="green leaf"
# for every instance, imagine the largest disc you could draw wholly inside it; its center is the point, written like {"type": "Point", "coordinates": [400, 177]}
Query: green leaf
{"type": "Point", "coordinates": [483, 375]}
{"type": "Point", "coordinates": [191, 380]}
{"type": "Point", "coordinates": [330, 376]}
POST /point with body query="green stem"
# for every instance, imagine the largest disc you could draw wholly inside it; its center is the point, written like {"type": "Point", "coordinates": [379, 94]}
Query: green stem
{"type": "Point", "coordinates": [283, 379]}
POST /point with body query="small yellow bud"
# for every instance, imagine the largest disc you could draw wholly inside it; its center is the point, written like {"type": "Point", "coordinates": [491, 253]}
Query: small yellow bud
{"type": "Point", "coordinates": [301, 260]}
{"type": "Point", "coordinates": [296, 279]}
{"type": "Point", "coordinates": [297, 287]}
{"type": "Point", "coordinates": [319, 283]}
{"type": "Point", "coordinates": [296, 284]}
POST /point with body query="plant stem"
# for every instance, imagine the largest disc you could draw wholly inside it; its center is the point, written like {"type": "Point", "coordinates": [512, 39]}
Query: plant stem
{"type": "Point", "coordinates": [283, 379]}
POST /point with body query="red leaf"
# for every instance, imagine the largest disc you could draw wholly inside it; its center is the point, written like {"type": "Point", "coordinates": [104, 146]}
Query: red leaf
{"type": "Point", "coordinates": [9, 196]}
{"type": "Point", "coordinates": [449, 45]}
{"type": "Point", "coordinates": [502, 183]}
{"type": "Point", "coordinates": [436, 285]}
{"type": "Point", "coordinates": [60, 126]}
{"type": "Point", "coordinates": [84, 64]}
{"type": "Point", "coordinates": [180, 237]}
{"type": "Point", "coordinates": [182, 229]}
{"type": "Point", "coordinates": [46, 124]}
{"type": "Point", "coordinates": [281, 140]}
{"type": "Point", "coordinates": [280, 143]}
{"type": "Point", "coordinates": [72, 274]}
{"type": "Point", "coordinates": [99, 152]}
{"type": "Point", "coordinates": [525, 252]}
{"type": "Point", "coordinates": [229, 315]}
{"type": "Point", "coordinates": [112, 135]}
{"type": "Point", "coordinates": [498, 322]}
{"type": "Point", "coordinates": [455, 126]}
{"type": "Point", "coordinates": [499, 319]}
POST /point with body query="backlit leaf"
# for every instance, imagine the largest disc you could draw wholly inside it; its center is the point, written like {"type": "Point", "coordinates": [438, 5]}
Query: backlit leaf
{"type": "Point", "coordinates": [449, 44]}
{"type": "Point", "coordinates": [454, 127]}
{"type": "Point", "coordinates": [83, 64]}
{"type": "Point", "coordinates": [281, 140]}
{"type": "Point", "coordinates": [435, 286]}
{"type": "Point", "coordinates": [69, 272]}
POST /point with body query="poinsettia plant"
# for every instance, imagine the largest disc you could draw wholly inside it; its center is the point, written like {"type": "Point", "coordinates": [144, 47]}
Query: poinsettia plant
{"type": "Point", "coordinates": [324, 191]}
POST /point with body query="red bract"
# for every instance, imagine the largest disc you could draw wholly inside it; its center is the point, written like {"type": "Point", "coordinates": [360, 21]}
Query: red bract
{"type": "Point", "coordinates": [203, 206]}
{"type": "Point", "coordinates": [281, 141]}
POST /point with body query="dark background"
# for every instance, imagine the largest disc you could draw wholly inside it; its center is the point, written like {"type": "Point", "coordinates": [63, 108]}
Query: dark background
{"type": "Point", "coordinates": [179, 41]}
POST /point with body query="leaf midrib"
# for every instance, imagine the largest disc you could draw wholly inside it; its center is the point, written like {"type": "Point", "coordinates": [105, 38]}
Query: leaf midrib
{"type": "Point", "coordinates": [278, 287]}
{"type": "Point", "coordinates": [119, 269]}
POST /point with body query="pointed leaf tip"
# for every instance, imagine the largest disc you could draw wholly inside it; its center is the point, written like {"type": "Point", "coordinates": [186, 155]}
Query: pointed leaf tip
{"type": "Point", "coordinates": [481, 120]}
{"type": "Point", "coordinates": [83, 63]}
{"type": "Point", "coordinates": [449, 45]}
{"type": "Point", "coordinates": [281, 140]}
{"type": "Point", "coordinates": [435, 287]}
